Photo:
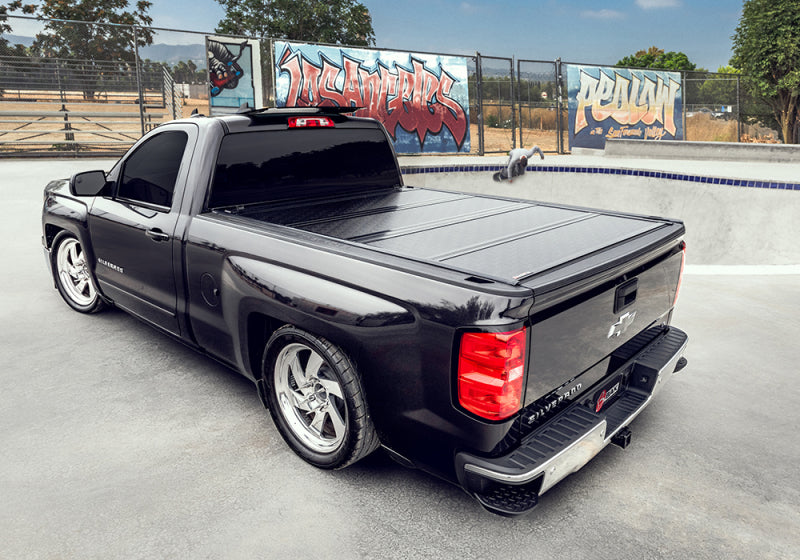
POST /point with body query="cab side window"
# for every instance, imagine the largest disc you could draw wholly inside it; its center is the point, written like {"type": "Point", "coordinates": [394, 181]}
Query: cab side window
{"type": "Point", "coordinates": [150, 172]}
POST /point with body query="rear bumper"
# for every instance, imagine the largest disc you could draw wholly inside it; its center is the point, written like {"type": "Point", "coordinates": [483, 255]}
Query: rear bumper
{"type": "Point", "coordinates": [511, 484]}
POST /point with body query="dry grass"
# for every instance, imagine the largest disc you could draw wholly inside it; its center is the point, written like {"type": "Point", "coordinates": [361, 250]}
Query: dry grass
{"type": "Point", "coordinates": [706, 128]}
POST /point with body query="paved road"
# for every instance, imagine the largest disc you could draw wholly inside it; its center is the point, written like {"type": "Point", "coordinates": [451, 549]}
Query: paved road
{"type": "Point", "coordinates": [117, 442]}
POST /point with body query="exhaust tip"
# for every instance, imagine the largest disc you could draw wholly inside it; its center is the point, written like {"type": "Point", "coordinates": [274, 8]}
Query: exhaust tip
{"type": "Point", "coordinates": [682, 363]}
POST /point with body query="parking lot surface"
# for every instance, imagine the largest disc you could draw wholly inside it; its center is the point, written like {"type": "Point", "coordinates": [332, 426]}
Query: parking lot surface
{"type": "Point", "coordinates": [118, 442]}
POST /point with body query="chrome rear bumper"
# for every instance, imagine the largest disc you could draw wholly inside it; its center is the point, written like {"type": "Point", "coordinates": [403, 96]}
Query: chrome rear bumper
{"type": "Point", "coordinates": [511, 484]}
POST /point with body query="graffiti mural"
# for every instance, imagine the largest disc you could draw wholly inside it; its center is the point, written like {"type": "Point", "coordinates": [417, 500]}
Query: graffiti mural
{"type": "Point", "coordinates": [623, 103]}
{"type": "Point", "coordinates": [421, 99]}
{"type": "Point", "coordinates": [234, 74]}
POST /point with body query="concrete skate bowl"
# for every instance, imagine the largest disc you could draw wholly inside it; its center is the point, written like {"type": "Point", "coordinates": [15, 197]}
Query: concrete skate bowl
{"type": "Point", "coordinates": [729, 221]}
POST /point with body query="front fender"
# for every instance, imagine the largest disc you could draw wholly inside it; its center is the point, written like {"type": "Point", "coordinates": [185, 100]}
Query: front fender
{"type": "Point", "coordinates": [63, 212]}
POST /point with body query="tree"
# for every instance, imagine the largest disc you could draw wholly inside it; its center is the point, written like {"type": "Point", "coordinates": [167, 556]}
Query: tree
{"type": "Point", "coordinates": [16, 5]}
{"type": "Point", "coordinates": [766, 48]}
{"type": "Point", "coordinates": [339, 22]}
{"type": "Point", "coordinates": [88, 41]}
{"type": "Point", "coordinates": [110, 37]}
{"type": "Point", "coordinates": [186, 72]}
{"type": "Point", "coordinates": [720, 88]}
{"type": "Point", "coordinates": [658, 59]}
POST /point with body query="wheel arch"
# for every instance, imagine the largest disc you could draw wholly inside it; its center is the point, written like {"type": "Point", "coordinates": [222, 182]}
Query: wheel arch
{"type": "Point", "coordinates": [50, 233]}
{"type": "Point", "coordinates": [260, 327]}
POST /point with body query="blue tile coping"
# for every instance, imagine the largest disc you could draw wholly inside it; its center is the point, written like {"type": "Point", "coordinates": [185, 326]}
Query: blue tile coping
{"type": "Point", "coordinates": [749, 183]}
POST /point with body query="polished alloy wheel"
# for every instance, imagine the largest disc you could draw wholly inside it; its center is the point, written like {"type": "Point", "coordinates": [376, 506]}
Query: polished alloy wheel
{"type": "Point", "coordinates": [310, 397]}
{"type": "Point", "coordinates": [73, 273]}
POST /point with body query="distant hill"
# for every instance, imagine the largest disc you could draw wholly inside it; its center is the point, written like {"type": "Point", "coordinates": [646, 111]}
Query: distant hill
{"type": "Point", "coordinates": [172, 54]}
{"type": "Point", "coordinates": [160, 52]}
{"type": "Point", "coordinates": [19, 40]}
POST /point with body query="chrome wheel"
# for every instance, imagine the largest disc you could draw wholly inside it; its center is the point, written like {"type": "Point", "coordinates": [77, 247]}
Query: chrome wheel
{"type": "Point", "coordinates": [310, 398]}
{"type": "Point", "coordinates": [73, 274]}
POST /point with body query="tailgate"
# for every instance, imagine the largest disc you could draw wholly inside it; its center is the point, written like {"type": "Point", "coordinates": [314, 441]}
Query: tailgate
{"type": "Point", "coordinates": [583, 331]}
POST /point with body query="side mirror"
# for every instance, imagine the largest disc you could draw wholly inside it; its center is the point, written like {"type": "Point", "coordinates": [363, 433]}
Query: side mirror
{"type": "Point", "coordinates": [88, 183]}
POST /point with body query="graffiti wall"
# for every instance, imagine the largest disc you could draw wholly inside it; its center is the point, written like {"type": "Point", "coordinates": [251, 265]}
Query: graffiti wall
{"type": "Point", "coordinates": [421, 99]}
{"type": "Point", "coordinates": [623, 103]}
{"type": "Point", "coordinates": [234, 74]}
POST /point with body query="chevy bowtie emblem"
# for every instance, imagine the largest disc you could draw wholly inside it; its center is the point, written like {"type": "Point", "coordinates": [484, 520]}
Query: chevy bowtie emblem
{"type": "Point", "coordinates": [622, 325]}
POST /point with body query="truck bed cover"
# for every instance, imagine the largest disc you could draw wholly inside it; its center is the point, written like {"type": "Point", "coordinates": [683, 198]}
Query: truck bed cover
{"type": "Point", "coordinates": [501, 239]}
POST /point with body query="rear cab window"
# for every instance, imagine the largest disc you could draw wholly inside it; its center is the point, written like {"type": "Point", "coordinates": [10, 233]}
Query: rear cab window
{"type": "Point", "coordinates": [272, 165]}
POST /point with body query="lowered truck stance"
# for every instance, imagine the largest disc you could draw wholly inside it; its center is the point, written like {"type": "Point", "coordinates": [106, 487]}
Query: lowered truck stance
{"type": "Point", "coordinates": [496, 343]}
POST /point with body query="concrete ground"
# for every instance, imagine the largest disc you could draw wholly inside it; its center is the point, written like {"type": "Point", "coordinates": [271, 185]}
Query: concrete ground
{"type": "Point", "coordinates": [117, 442]}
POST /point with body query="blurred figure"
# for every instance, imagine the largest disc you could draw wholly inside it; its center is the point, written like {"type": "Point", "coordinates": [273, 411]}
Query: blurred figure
{"type": "Point", "coordinates": [517, 162]}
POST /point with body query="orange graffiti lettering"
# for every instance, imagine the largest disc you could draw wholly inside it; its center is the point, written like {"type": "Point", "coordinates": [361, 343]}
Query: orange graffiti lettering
{"type": "Point", "coordinates": [626, 101]}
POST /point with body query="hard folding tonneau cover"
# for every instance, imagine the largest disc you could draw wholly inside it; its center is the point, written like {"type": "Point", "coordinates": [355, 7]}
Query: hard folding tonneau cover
{"type": "Point", "coordinates": [507, 240]}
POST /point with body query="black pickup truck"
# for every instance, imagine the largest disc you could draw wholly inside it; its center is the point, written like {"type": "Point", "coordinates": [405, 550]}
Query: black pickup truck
{"type": "Point", "coordinates": [499, 344]}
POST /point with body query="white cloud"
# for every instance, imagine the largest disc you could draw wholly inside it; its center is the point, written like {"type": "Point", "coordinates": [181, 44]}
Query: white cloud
{"type": "Point", "coordinates": [655, 4]}
{"type": "Point", "coordinates": [602, 14]}
{"type": "Point", "coordinates": [468, 8]}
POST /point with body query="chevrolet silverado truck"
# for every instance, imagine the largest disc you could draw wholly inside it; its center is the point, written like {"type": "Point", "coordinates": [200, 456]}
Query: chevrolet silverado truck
{"type": "Point", "coordinates": [496, 343]}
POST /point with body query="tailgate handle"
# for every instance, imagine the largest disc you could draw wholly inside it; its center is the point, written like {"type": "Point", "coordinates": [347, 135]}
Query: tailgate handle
{"type": "Point", "coordinates": [625, 295]}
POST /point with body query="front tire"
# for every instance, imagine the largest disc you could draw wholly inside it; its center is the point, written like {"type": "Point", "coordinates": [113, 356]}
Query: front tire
{"type": "Point", "coordinates": [73, 277]}
{"type": "Point", "coordinates": [316, 399]}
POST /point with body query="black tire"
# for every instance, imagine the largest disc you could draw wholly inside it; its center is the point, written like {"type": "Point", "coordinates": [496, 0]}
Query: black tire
{"type": "Point", "coordinates": [74, 279]}
{"type": "Point", "coordinates": [316, 400]}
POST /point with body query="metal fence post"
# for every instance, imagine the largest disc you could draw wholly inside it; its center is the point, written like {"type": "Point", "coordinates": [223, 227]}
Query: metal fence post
{"type": "Point", "coordinates": [172, 92]}
{"type": "Point", "coordinates": [513, 112]}
{"type": "Point", "coordinates": [68, 136]}
{"type": "Point", "coordinates": [559, 107]}
{"type": "Point", "coordinates": [683, 112]}
{"type": "Point", "coordinates": [273, 90]}
{"type": "Point", "coordinates": [519, 102]}
{"type": "Point", "coordinates": [138, 78]}
{"type": "Point", "coordinates": [163, 87]}
{"type": "Point", "coordinates": [479, 93]}
{"type": "Point", "coordinates": [738, 110]}
{"type": "Point", "coordinates": [61, 93]}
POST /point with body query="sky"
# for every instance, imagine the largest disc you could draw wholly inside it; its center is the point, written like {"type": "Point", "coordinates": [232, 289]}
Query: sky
{"type": "Point", "coordinates": [590, 31]}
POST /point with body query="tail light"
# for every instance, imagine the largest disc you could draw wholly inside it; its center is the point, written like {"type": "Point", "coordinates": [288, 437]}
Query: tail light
{"type": "Point", "coordinates": [310, 122]}
{"type": "Point", "coordinates": [491, 373]}
{"type": "Point", "coordinates": [680, 276]}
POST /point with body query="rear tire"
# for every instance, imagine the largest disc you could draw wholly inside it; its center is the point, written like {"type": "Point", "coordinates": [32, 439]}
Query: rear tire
{"type": "Point", "coordinates": [316, 399]}
{"type": "Point", "coordinates": [73, 277]}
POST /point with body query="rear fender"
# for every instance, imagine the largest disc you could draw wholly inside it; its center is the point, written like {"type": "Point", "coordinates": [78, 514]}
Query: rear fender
{"type": "Point", "coordinates": [343, 314]}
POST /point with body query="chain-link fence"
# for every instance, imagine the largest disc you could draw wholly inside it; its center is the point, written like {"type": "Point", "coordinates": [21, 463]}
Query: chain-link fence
{"type": "Point", "coordinates": [496, 99]}
{"type": "Point", "coordinates": [77, 87]}
{"type": "Point", "coordinates": [540, 111]}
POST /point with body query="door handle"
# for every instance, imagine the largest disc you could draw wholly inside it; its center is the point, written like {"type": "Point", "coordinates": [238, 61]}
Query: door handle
{"type": "Point", "coordinates": [157, 235]}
